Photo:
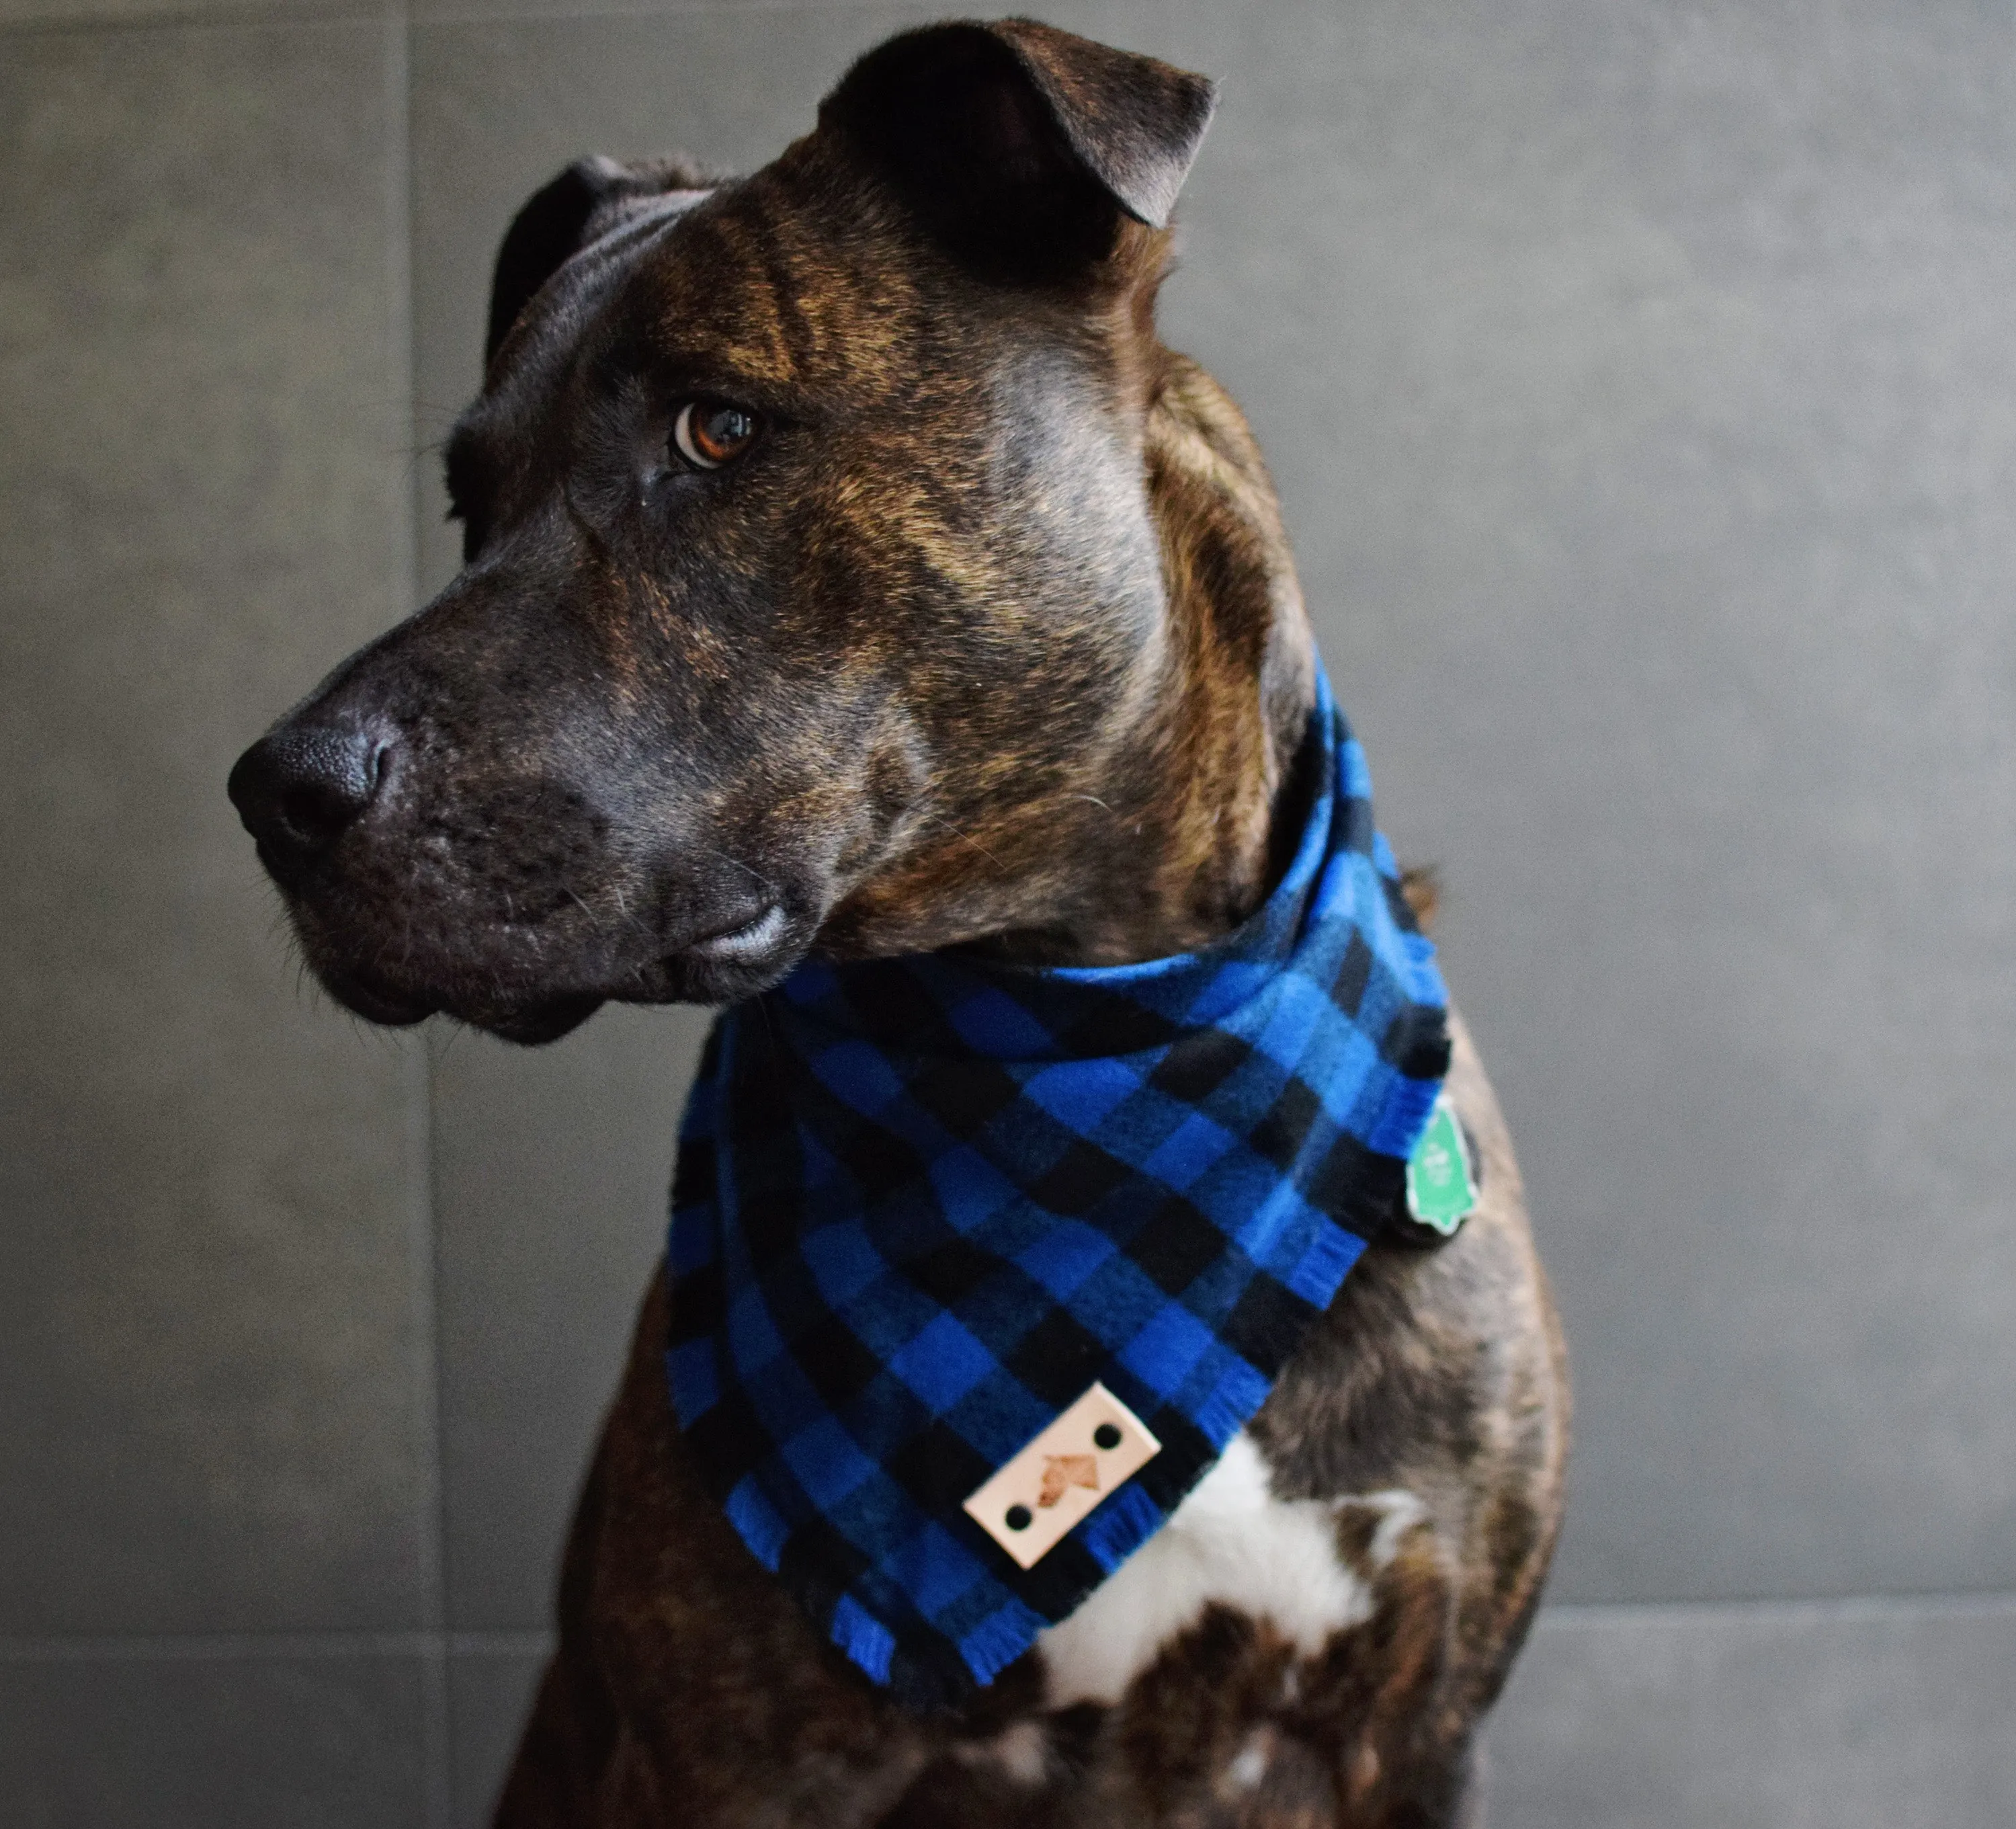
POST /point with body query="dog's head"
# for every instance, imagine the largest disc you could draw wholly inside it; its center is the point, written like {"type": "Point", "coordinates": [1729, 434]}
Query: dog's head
{"type": "Point", "coordinates": [810, 564]}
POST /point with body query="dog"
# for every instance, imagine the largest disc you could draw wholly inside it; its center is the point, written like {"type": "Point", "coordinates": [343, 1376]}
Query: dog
{"type": "Point", "coordinates": [851, 573]}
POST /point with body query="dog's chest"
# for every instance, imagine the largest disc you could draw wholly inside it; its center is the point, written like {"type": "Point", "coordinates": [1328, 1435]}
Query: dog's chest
{"type": "Point", "coordinates": [1233, 1543]}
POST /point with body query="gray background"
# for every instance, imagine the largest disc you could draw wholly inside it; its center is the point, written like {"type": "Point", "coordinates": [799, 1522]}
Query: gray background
{"type": "Point", "coordinates": [1641, 381]}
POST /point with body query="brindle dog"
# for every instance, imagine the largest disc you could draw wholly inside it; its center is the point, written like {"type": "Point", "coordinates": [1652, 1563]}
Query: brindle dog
{"type": "Point", "coordinates": [851, 567]}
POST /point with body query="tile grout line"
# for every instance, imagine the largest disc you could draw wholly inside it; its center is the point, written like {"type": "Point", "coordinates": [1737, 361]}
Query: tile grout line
{"type": "Point", "coordinates": [437, 1751]}
{"type": "Point", "coordinates": [498, 1642]}
{"type": "Point", "coordinates": [432, 1646]}
{"type": "Point", "coordinates": [1956, 1603]}
{"type": "Point", "coordinates": [897, 12]}
{"type": "Point", "coordinates": [194, 18]}
{"type": "Point", "coordinates": [253, 17]}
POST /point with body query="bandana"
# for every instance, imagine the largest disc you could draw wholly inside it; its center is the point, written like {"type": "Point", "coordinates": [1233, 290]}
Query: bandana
{"type": "Point", "coordinates": [921, 1204]}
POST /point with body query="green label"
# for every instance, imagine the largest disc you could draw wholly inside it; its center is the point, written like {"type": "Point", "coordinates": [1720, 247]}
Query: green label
{"type": "Point", "coordinates": [1441, 1192]}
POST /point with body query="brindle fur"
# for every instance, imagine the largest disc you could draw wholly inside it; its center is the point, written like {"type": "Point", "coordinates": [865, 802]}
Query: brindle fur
{"type": "Point", "coordinates": [993, 637]}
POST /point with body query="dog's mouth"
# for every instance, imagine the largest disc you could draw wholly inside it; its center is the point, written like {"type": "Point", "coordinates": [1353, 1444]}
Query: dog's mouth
{"type": "Point", "coordinates": [531, 1022]}
{"type": "Point", "coordinates": [722, 966]}
{"type": "Point", "coordinates": [752, 940]}
{"type": "Point", "coordinates": [373, 1002]}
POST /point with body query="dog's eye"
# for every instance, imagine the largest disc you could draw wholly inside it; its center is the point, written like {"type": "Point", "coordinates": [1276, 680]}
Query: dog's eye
{"type": "Point", "coordinates": [710, 433]}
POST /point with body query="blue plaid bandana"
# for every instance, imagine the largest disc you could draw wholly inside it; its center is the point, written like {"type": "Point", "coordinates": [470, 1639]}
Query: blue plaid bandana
{"type": "Point", "coordinates": [922, 1203]}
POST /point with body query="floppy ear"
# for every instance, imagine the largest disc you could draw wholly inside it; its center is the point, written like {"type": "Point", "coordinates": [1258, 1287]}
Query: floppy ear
{"type": "Point", "coordinates": [1022, 145]}
{"type": "Point", "coordinates": [557, 221]}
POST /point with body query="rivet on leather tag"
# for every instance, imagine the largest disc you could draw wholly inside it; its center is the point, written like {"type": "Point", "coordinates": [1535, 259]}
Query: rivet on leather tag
{"type": "Point", "coordinates": [1095, 1445]}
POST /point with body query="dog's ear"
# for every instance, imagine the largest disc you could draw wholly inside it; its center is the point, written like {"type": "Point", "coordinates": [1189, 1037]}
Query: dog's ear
{"type": "Point", "coordinates": [1020, 144]}
{"type": "Point", "coordinates": [561, 218]}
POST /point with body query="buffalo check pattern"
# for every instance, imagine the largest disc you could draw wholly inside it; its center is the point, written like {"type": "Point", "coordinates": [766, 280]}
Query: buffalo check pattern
{"type": "Point", "coordinates": [921, 1204]}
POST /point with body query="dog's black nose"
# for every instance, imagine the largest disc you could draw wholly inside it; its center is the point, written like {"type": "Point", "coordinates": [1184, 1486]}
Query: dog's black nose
{"type": "Point", "coordinates": [299, 789]}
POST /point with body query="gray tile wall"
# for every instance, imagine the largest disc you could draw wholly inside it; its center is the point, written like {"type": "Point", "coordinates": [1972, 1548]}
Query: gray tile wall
{"type": "Point", "coordinates": [1641, 381]}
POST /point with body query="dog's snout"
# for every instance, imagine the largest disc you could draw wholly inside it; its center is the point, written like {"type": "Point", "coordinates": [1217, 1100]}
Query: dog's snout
{"type": "Point", "coordinates": [299, 789]}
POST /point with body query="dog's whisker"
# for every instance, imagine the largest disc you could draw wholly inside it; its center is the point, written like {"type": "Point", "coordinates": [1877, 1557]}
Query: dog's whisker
{"type": "Point", "coordinates": [967, 838]}
{"type": "Point", "coordinates": [747, 870]}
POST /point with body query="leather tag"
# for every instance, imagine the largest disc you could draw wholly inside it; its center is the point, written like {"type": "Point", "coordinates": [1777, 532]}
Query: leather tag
{"type": "Point", "coordinates": [1095, 1446]}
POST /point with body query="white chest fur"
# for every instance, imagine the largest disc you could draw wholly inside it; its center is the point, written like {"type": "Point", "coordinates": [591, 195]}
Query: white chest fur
{"type": "Point", "coordinates": [1232, 1542]}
